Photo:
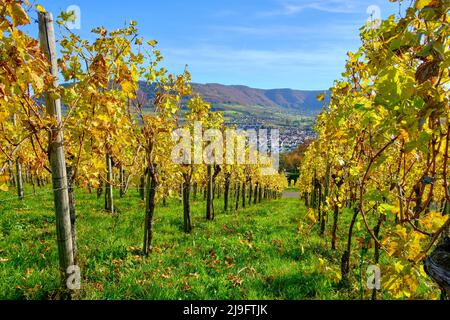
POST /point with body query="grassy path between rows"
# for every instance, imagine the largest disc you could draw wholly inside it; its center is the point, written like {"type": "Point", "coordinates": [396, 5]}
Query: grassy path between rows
{"type": "Point", "coordinates": [262, 252]}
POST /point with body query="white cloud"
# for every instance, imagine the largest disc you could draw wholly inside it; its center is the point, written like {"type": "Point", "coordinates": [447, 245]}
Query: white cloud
{"type": "Point", "coordinates": [342, 31]}
{"type": "Point", "coordinates": [287, 8]}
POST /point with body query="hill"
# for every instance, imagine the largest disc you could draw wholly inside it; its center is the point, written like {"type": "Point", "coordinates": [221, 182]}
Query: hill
{"type": "Point", "coordinates": [298, 102]}
{"type": "Point", "coordinates": [295, 101]}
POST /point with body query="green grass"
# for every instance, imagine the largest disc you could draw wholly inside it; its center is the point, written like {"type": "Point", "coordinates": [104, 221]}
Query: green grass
{"type": "Point", "coordinates": [267, 251]}
{"type": "Point", "coordinates": [251, 254]}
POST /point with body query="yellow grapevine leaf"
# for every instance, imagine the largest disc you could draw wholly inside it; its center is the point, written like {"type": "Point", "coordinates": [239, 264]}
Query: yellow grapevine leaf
{"type": "Point", "coordinates": [2, 116]}
{"type": "Point", "coordinates": [127, 87]}
{"type": "Point", "coordinates": [321, 97]}
{"type": "Point", "coordinates": [4, 178]}
{"type": "Point", "coordinates": [18, 15]}
{"type": "Point", "coordinates": [4, 188]}
{"type": "Point", "coordinates": [311, 216]}
{"type": "Point", "coordinates": [40, 8]}
{"type": "Point", "coordinates": [420, 4]}
{"type": "Point", "coordinates": [398, 267]}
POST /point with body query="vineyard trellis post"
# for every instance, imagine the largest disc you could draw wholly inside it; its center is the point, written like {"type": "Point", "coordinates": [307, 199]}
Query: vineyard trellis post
{"type": "Point", "coordinates": [186, 203]}
{"type": "Point", "coordinates": [243, 194]}
{"type": "Point", "coordinates": [56, 151]}
{"type": "Point", "coordinates": [19, 173]}
{"type": "Point", "coordinates": [109, 192]}
{"type": "Point", "coordinates": [226, 191]}
{"type": "Point", "coordinates": [20, 192]}
{"type": "Point", "coordinates": [209, 194]}
{"type": "Point", "coordinates": [122, 181]}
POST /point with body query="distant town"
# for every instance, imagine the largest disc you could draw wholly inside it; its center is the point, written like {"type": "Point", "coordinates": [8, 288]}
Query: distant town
{"type": "Point", "coordinates": [291, 136]}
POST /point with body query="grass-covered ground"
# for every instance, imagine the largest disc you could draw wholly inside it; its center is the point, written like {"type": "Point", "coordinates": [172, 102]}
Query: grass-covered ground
{"type": "Point", "coordinates": [267, 251]}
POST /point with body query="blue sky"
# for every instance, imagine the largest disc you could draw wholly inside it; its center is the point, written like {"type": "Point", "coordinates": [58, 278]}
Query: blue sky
{"type": "Point", "coordinates": [299, 44]}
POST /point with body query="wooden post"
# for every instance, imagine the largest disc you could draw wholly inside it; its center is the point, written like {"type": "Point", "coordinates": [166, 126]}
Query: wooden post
{"type": "Point", "coordinates": [195, 190]}
{"type": "Point", "coordinates": [19, 179]}
{"type": "Point", "coordinates": [28, 176]}
{"type": "Point", "coordinates": [56, 151]}
{"type": "Point", "coordinates": [260, 194]}
{"type": "Point", "coordinates": [122, 181]}
{"type": "Point", "coordinates": [250, 193]}
{"type": "Point", "coordinates": [33, 183]}
{"type": "Point", "coordinates": [109, 197]}
{"type": "Point", "coordinates": [243, 195]}
{"type": "Point", "coordinates": [151, 187]}
{"type": "Point", "coordinates": [237, 195]}
{"type": "Point", "coordinates": [226, 191]}
{"type": "Point", "coordinates": [181, 193]}
{"type": "Point", "coordinates": [209, 194]}
{"type": "Point", "coordinates": [186, 204]}
{"type": "Point", "coordinates": [70, 182]}
{"type": "Point", "coordinates": [142, 186]}
{"type": "Point", "coordinates": [19, 173]}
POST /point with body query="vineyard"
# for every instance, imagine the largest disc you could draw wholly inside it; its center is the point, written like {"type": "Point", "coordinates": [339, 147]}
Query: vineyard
{"type": "Point", "coordinates": [105, 197]}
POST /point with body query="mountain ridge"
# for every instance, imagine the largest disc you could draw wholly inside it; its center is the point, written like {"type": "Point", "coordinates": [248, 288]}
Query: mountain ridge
{"type": "Point", "coordinates": [302, 102]}
{"type": "Point", "coordinates": [298, 101]}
